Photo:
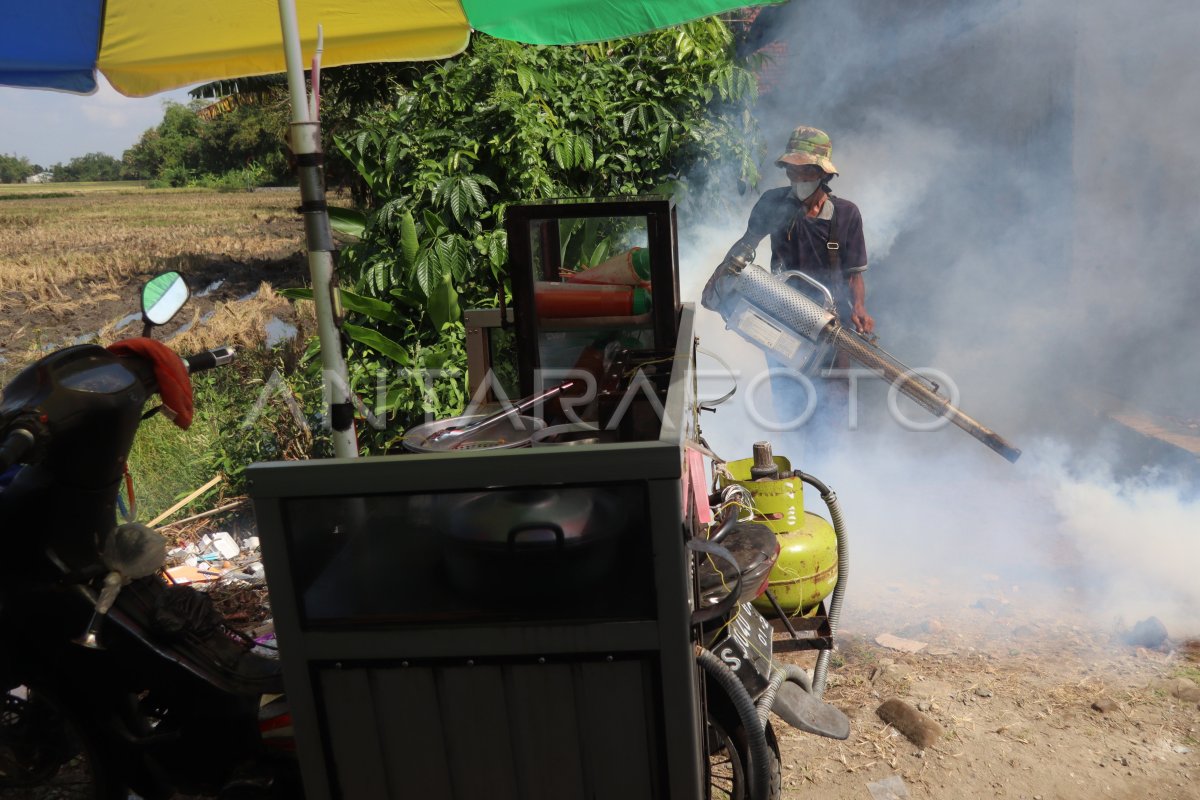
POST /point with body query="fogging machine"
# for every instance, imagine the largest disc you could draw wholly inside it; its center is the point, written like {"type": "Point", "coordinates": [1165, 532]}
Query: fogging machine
{"type": "Point", "coordinates": [765, 309]}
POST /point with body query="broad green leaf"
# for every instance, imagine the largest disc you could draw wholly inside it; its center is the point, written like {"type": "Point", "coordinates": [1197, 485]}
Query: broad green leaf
{"type": "Point", "coordinates": [562, 154]}
{"type": "Point", "coordinates": [409, 243]}
{"type": "Point", "coordinates": [589, 158]}
{"type": "Point", "coordinates": [526, 79]}
{"type": "Point", "coordinates": [348, 221]}
{"type": "Point", "coordinates": [627, 120]}
{"type": "Point", "coordinates": [460, 260]}
{"type": "Point", "coordinates": [405, 298]}
{"type": "Point", "coordinates": [379, 276]}
{"type": "Point", "coordinates": [443, 304]}
{"type": "Point", "coordinates": [498, 249]}
{"type": "Point", "coordinates": [433, 223]}
{"type": "Point", "coordinates": [461, 201]}
{"type": "Point", "coordinates": [428, 271]}
{"type": "Point", "coordinates": [566, 229]}
{"type": "Point", "coordinates": [378, 310]}
{"type": "Point", "coordinates": [476, 191]}
{"type": "Point", "coordinates": [600, 253]}
{"type": "Point", "coordinates": [378, 342]}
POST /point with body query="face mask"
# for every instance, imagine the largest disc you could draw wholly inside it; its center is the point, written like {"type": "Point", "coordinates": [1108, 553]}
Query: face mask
{"type": "Point", "coordinates": [804, 189]}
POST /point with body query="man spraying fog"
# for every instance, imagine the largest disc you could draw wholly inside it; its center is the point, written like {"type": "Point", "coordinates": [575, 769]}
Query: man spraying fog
{"type": "Point", "coordinates": [811, 230]}
{"type": "Point", "coordinates": [820, 235]}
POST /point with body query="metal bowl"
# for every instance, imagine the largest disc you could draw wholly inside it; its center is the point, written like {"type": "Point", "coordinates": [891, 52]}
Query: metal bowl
{"type": "Point", "coordinates": [504, 435]}
{"type": "Point", "coordinates": [573, 434]}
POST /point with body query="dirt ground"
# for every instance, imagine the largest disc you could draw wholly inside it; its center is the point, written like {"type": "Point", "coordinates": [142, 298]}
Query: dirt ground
{"type": "Point", "coordinates": [1033, 704]}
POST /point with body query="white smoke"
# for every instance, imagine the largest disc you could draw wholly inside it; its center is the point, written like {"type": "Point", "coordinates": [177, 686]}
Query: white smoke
{"type": "Point", "coordinates": [1026, 172]}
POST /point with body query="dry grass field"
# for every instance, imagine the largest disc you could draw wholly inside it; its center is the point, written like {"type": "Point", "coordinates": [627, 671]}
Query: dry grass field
{"type": "Point", "coordinates": [72, 256]}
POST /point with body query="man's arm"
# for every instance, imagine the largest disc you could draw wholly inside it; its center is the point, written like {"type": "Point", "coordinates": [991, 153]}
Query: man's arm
{"type": "Point", "coordinates": [743, 248]}
{"type": "Point", "coordinates": [859, 318]}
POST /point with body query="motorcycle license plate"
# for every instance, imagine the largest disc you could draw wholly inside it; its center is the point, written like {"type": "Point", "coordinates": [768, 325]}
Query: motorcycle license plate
{"type": "Point", "coordinates": [746, 648]}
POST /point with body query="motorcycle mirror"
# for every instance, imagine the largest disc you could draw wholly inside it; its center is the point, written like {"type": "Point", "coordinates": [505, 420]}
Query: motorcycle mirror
{"type": "Point", "coordinates": [134, 551]}
{"type": "Point", "coordinates": [162, 297]}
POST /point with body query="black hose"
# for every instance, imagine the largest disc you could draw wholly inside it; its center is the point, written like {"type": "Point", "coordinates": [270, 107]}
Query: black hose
{"type": "Point", "coordinates": [725, 527]}
{"type": "Point", "coordinates": [821, 671]}
{"type": "Point", "coordinates": [780, 673]}
{"type": "Point", "coordinates": [756, 736]}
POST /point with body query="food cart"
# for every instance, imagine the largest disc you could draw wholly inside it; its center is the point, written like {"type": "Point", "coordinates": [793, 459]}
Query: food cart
{"type": "Point", "coordinates": [514, 622]}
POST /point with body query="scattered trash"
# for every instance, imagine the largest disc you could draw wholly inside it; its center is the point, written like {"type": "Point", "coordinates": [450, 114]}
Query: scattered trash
{"type": "Point", "coordinates": [220, 542]}
{"type": "Point", "coordinates": [252, 573]}
{"type": "Point", "coordinates": [1105, 705]}
{"type": "Point", "coordinates": [206, 573]}
{"type": "Point", "coordinates": [1183, 751]}
{"type": "Point", "coordinates": [264, 640]}
{"type": "Point", "coordinates": [1149, 633]}
{"type": "Point", "coordinates": [250, 543]}
{"type": "Point", "coordinates": [920, 729]}
{"type": "Point", "coordinates": [897, 643]}
{"type": "Point", "coordinates": [890, 788]}
{"type": "Point", "coordinates": [279, 331]}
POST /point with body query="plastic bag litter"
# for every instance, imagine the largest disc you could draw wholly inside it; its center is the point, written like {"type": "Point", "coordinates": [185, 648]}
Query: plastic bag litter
{"type": "Point", "coordinates": [890, 788]}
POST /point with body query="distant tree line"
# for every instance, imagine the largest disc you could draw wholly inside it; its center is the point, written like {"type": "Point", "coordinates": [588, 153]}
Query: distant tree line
{"type": "Point", "coordinates": [15, 169]}
{"type": "Point", "coordinates": [237, 148]}
{"type": "Point", "coordinates": [244, 144]}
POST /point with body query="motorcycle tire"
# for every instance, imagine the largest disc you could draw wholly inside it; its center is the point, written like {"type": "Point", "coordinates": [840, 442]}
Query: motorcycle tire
{"type": "Point", "coordinates": [729, 754]}
{"type": "Point", "coordinates": [49, 751]}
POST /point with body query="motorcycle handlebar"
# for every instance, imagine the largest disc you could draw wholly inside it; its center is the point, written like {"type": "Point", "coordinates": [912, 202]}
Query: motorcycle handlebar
{"type": "Point", "coordinates": [18, 442]}
{"type": "Point", "coordinates": [216, 357]}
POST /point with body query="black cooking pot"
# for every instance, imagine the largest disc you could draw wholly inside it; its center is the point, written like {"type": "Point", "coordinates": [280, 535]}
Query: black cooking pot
{"type": "Point", "coordinates": [534, 542]}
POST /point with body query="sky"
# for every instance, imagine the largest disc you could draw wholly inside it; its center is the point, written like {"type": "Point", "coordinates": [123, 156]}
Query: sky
{"type": "Point", "coordinates": [53, 127]}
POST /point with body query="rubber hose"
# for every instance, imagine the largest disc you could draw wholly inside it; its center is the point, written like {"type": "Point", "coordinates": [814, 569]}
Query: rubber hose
{"type": "Point", "coordinates": [756, 737]}
{"type": "Point", "coordinates": [779, 674]}
{"type": "Point", "coordinates": [725, 527]}
{"type": "Point", "coordinates": [821, 672]}
{"type": "Point", "coordinates": [767, 699]}
{"type": "Point", "coordinates": [797, 674]}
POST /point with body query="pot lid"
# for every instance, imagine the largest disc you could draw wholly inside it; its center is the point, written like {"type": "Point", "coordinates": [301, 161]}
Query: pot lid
{"type": "Point", "coordinates": [551, 517]}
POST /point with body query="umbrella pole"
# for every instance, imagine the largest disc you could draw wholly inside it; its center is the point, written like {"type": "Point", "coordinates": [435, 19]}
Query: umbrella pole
{"type": "Point", "coordinates": [306, 145]}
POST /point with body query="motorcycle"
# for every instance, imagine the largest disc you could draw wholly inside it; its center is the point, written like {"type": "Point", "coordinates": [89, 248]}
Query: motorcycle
{"type": "Point", "coordinates": [112, 680]}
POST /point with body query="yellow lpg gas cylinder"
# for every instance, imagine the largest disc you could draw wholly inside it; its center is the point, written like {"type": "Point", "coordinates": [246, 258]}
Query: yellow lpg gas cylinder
{"type": "Point", "coordinates": [807, 567]}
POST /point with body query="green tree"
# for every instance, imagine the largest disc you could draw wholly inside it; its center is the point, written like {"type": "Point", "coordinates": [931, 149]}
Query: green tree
{"type": "Point", "coordinates": [245, 139]}
{"type": "Point", "coordinates": [252, 133]}
{"type": "Point", "coordinates": [15, 169]}
{"type": "Point", "coordinates": [507, 122]}
{"type": "Point", "coordinates": [171, 151]}
{"type": "Point", "coordinates": [90, 167]}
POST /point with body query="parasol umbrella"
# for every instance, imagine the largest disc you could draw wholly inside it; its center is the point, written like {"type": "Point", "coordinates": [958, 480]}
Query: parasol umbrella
{"type": "Point", "coordinates": [147, 46]}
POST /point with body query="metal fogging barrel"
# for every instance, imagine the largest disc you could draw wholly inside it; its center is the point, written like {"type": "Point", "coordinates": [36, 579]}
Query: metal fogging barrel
{"type": "Point", "coordinates": [765, 310]}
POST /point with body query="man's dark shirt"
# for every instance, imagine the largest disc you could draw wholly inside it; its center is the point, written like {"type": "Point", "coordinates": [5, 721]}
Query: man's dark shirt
{"type": "Point", "coordinates": [799, 242]}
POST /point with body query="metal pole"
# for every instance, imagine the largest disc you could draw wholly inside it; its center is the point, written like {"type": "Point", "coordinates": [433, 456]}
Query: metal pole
{"type": "Point", "coordinates": [306, 146]}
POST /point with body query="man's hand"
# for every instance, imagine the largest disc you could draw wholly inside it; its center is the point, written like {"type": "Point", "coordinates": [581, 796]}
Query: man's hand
{"type": "Point", "coordinates": [861, 320]}
{"type": "Point", "coordinates": [709, 298]}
